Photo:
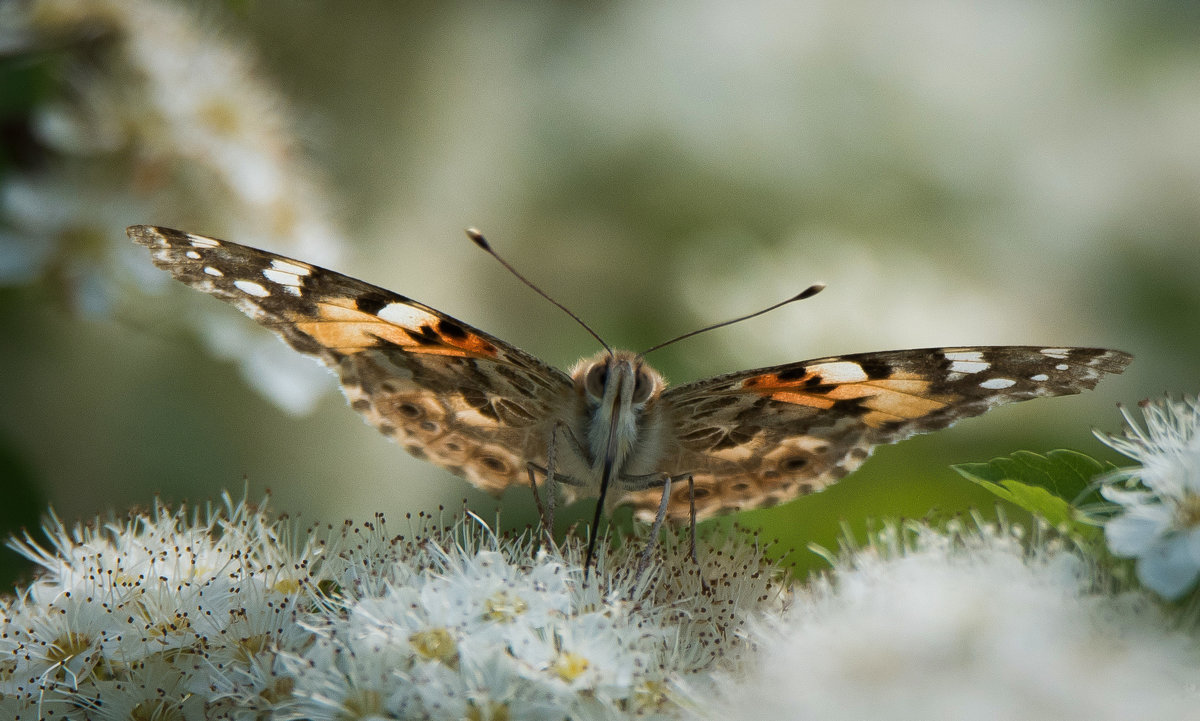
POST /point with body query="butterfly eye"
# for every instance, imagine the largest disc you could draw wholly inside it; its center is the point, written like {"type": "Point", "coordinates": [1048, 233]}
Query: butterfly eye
{"type": "Point", "coordinates": [643, 385]}
{"type": "Point", "coordinates": [597, 376]}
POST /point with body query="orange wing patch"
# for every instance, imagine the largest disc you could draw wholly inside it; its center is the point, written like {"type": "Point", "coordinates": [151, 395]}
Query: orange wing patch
{"type": "Point", "coordinates": [342, 326]}
{"type": "Point", "coordinates": [850, 387]}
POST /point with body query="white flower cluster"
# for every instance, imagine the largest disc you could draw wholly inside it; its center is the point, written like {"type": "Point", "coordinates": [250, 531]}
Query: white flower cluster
{"type": "Point", "coordinates": [141, 619]}
{"type": "Point", "coordinates": [473, 636]}
{"type": "Point", "coordinates": [470, 626]}
{"type": "Point", "coordinates": [222, 617]}
{"type": "Point", "coordinates": [1159, 519]}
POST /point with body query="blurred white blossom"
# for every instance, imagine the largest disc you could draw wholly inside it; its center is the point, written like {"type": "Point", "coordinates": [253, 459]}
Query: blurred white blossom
{"type": "Point", "coordinates": [158, 119]}
{"type": "Point", "coordinates": [1159, 518]}
{"type": "Point", "coordinates": [927, 625]}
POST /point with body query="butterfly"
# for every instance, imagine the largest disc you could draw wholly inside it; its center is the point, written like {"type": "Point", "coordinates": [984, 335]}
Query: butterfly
{"type": "Point", "coordinates": [611, 427]}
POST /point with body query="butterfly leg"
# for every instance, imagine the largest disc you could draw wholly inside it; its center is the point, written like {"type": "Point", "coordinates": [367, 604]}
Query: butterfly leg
{"type": "Point", "coordinates": [547, 527]}
{"type": "Point", "coordinates": [551, 484]}
{"type": "Point", "coordinates": [692, 512]}
{"type": "Point", "coordinates": [659, 517]}
{"type": "Point", "coordinates": [546, 512]}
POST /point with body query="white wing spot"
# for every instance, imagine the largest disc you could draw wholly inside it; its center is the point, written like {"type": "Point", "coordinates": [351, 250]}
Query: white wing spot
{"type": "Point", "coordinates": [1061, 367]}
{"type": "Point", "coordinates": [1039, 377]}
{"type": "Point", "coordinates": [209, 270]}
{"type": "Point", "coordinates": [249, 287]}
{"type": "Point", "coordinates": [966, 366]}
{"type": "Point", "coordinates": [200, 241]}
{"type": "Point", "coordinates": [840, 372]}
{"type": "Point", "coordinates": [193, 255]}
{"type": "Point", "coordinates": [288, 267]}
{"type": "Point", "coordinates": [405, 315]}
{"type": "Point", "coordinates": [1060, 353]}
{"type": "Point", "coordinates": [974, 356]}
{"type": "Point", "coordinates": [281, 277]}
{"type": "Point", "coordinates": [996, 384]}
{"type": "Point", "coordinates": [292, 290]}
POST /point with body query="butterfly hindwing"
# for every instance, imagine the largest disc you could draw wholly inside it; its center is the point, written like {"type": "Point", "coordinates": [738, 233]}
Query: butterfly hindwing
{"type": "Point", "coordinates": [447, 392]}
{"type": "Point", "coordinates": [765, 436]}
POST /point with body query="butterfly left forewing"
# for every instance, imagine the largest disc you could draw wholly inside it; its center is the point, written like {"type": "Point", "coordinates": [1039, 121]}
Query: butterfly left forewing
{"type": "Point", "coordinates": [761, 437]}
{"type": "Point", "coordinates": [447, 392]}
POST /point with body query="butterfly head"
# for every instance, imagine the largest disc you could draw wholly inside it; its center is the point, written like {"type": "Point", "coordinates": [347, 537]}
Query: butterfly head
{"type": "Point", "coordinates": [617, 380]}
{"type": "Point", "coordinates": [618, 391]}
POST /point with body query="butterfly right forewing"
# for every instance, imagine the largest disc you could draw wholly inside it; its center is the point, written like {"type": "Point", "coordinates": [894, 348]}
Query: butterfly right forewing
{"type": "Point", "coordinates": [760, 437]}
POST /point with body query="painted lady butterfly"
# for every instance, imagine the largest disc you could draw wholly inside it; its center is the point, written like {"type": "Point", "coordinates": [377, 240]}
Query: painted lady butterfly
{"type": "Point", "coordinates": [486, 410]}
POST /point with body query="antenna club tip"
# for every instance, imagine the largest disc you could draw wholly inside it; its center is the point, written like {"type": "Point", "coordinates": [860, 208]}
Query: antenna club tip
{"type": "Point", "coordinates": [477, 238]}
{"type": "Point", "coordinates": [810, 291]}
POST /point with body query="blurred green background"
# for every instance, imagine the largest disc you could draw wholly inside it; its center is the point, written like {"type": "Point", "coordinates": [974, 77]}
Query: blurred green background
{"type": "Point", "coordinates": [957, 173]}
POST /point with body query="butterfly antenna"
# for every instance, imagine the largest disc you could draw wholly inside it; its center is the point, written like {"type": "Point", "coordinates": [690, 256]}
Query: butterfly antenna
{"type": "Point", "coordinates": [808, 292]}
{"type": "Point", "coordinates": [479, 240]}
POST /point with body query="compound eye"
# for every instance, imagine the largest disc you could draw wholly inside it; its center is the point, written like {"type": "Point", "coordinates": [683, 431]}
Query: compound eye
{"type": "Point", "coordinates": [643, 386]}
{"type": "Point", "coordinates": [597, 376]}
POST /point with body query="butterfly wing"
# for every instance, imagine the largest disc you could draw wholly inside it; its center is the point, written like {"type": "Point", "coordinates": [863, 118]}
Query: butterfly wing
{"type": "Point", "coordinates": [761, 437]}
{"type": "Point", "coordinates": [445, 391]}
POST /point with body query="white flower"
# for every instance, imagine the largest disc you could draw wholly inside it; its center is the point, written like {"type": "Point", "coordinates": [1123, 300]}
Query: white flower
{"type": "Point", "coordinates": [1159, 522]}
{"type": "Point", "coordinates": [924, 625]}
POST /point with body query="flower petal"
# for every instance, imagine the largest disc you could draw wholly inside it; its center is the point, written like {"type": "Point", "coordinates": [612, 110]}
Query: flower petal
{"type": "Point", "coordinates": [1137, 531]}
{"type": "Point", "coordinates": [1169, 568]}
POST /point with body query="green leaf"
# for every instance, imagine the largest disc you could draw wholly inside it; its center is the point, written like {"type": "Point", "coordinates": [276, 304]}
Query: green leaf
{"type": "Point", "coordinates": [1040, 501]}
{"type": "Point", "coordinates": [1053, 486]}
{"type": "Point", "coordinates": [1064, 473]}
